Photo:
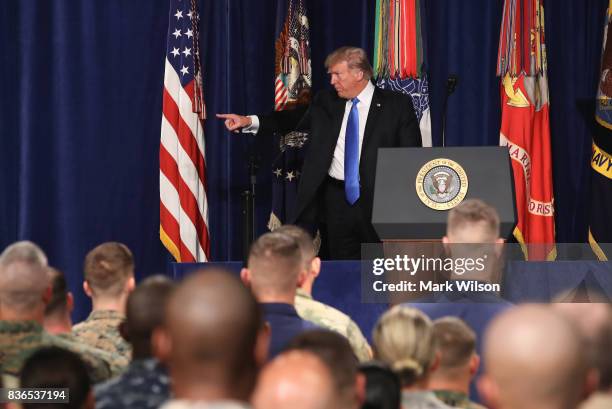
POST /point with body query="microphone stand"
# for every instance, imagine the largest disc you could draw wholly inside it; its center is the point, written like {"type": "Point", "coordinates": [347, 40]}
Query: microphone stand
{"type": "Point", "coordinates": [451, 84]}
{"type": "Point", "coordinates": [248, 206]}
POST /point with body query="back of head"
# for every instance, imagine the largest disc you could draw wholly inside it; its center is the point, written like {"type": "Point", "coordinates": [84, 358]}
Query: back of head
{"type": "Point", "coordinates": [594, 320]}
{"type": "Point", "coordinates": [145, 311]}
{"type": "Point", "coordinates": [336, 352]}
{"type": "Point", "coordinates": [58, 304]}
{"type": "Point", "coordinates": [23, 277]}
{"type": "Point", "coordinates": [275, 262]}
{"type": "Point", "coordinates": [296, 380]}
{"type": "Point", "coordinates": [473, 221]}
{"type": "Point", "coordinates": [304, 241]}
{"type": "Point", "coordinates": [107, 269]}
{"type": "Point", "coordinates": [534, 358]}
{"type": "Point", "coordinates": [403, 339]}
{"type": "Point", "coordinates": [53, 367]}
{"type": "Point", "coordinates": [210, 330]}
{"type": "Point", "coordinates": [383, 388]}
{"type": "Point", "coordinates": [456, 343]}
{"type": "Point", "coordinates": [355, 57]}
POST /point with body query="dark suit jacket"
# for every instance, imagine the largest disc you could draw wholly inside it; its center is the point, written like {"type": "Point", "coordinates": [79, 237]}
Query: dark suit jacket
{"type": "Point", "coordinates": [391, 123]}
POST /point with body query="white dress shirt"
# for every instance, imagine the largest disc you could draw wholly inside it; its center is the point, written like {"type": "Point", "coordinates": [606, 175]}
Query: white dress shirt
{"type": "Point", "coordinates": [336, 170]}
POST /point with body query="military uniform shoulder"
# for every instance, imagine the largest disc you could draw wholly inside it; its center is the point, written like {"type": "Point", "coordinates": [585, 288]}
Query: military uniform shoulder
{"type": "Point", "coordinates": [98, 362]}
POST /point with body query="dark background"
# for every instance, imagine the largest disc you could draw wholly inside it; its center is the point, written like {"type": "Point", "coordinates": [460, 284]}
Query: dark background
{"type": "Point", "coordinates": [81, 96]}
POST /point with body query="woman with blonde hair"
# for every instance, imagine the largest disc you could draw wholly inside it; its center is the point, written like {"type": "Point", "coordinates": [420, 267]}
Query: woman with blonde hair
{"type": "Point", "coordinates": [403, 339]}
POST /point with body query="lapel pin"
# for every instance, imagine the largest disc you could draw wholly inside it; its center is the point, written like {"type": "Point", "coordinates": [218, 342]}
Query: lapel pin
{"type": "Point", "coordinates": [378, 104]}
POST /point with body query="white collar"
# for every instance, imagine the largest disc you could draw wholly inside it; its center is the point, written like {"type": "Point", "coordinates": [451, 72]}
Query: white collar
{"type": "Point", "coordinates": [366, 94]}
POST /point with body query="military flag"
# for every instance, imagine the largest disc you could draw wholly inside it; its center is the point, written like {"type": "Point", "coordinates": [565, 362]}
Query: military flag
{"type": "Point", "coordinates": [293, 80]}
{"type": "Point", "coordinates": [400, 55]}
{"type": "Point", "coordinates": [525, 124]}
{"type": "Point", "coordinates": [600, 223]}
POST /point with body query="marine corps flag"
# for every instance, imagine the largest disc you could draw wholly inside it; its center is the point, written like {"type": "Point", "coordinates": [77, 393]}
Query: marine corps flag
{"type": "Point", "coordinates": [525, 123]}
{"type": "Point", "coordinates": [600, 223]}
{"type": "Point", "coordinates": [291, 89]}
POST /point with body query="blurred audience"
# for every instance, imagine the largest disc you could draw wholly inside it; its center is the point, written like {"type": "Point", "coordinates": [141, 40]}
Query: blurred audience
{"type": "Point", "coordinates": [595, 323]}
{"type": "Point", "coordinates": [534, 358]}
{"type": "Point", "coordinates": [472, 226]}
{"type": "Point", "coordinates": [109, 278]}
{"type": "Point", "coordinates": [24, 293]}
{"type": "Point", "coordinates": [336, 352]}
{"type": "Point", "coordinates": [53, 367]}
{"type": "Point", "coordinates": [296, 380]}
{"type": "Point", "coordinates": [57, 312]}
{"type": "Point", "coordinates": [403, 338]}
{"type": "Point", "coordinates": [145, 383]}
{"type": "Point", "coordinates": [321, 314]}
{"type": "Point", "coordinates": [456, 347]}
{"type": "Point", "coordinates": [213, 340]}
{"type": "Point", "coordinates": [383, 389]}
{"type": "Point", "coordinates": [274, 272]}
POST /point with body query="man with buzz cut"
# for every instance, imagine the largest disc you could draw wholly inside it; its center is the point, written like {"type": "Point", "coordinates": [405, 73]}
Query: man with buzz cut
{"type": "Point", "coordinates": [458, 362]}
{"type": "Point", "coordinates": [312, 310]}
{"type": "Point", "coordinates": [24, 293]}
{"type": "Point", "coordinates": [472, 226]}
{"type": "Point", "coordinates": [273, 273]}
{"type": "Point", "coordinates": [109, 279]}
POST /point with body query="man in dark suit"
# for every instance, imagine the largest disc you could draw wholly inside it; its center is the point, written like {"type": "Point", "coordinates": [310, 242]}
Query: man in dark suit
{"type": "Point", "coordinates": [346, 127]}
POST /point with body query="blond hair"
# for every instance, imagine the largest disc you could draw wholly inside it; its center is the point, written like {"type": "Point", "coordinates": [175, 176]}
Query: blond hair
{"type": "Point", "coordinates": [355, 57]}
{"type": "Point", "coordinates": [403, 338]}
{"type": "Point", "coordinates": [471, 212]}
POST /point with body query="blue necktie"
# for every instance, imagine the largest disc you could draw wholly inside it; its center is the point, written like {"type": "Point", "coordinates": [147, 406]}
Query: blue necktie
{"type": "Point", "coordinates": [351, 155]}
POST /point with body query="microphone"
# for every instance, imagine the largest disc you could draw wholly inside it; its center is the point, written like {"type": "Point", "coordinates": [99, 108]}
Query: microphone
{"type": "Point", "coordinates": [451, 84]}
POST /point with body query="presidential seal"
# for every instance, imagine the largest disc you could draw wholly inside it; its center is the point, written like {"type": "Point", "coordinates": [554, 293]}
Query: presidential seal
{"type": "Point", "coordinates": [441, 184]}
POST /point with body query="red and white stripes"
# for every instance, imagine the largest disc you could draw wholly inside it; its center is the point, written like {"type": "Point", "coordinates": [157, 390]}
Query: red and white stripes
{"type": "Point", "coordinates": [182, 174]}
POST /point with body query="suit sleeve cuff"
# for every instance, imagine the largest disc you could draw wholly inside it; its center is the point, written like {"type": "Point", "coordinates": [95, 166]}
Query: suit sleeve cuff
{"type": "Point", "coordinates": [254, 127]}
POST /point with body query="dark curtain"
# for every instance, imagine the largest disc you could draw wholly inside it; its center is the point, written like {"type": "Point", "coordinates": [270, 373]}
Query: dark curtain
{"type": "Point", "coordinates": [81, 110]}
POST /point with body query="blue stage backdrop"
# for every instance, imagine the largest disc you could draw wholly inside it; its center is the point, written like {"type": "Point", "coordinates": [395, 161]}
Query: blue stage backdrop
{"type": "Point", "coordinates": [81, 110]}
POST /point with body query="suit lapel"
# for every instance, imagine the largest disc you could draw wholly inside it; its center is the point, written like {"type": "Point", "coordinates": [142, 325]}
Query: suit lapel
{"type": "Point", "coordinates": [373, 115]}
{"type": "Point", "coordinates": [337, 114]}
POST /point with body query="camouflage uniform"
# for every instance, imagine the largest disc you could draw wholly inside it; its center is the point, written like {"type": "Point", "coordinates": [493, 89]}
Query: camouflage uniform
{"type": "Point", "coordinates": [457, 399]}
{"type": "Point", "coordinates": [330, 318]}
{"type": "Point", "coordinates": [101, 330]}
{"type": "Point", "coordinates": [421, 400]}
{"type": "Point", "coordinates": [19, 339]}
{"type": "Point", "coordinates": [144, 385]}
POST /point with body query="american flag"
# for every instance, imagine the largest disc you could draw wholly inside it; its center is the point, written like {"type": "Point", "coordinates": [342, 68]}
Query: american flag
{"type": "Point", "coordinates": [183, 206]}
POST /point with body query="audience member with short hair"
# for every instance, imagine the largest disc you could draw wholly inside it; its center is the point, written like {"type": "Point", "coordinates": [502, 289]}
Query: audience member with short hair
{"type": "Point", "coordinates": [403, 339]}
{"type": "Point", "coordinates": [296, 380]}
{"type": "Point", "coordinates": [213, 340]}
{"type": "Point", "coordinates": [109, 278]}
{"type": "Point", "coordinates": [274, 272]}
{"type": "Point", "coordinates": [534, 358]}
{"type": "Point", "coordinates": [336, 352]}
{"type": "Point", "coordinates": [145, 383]}
{"type": "Point", "coordinates": [470, 223]}
{"type": "Point", "coordinates": [594, 321]}
{"type": "Point", "coordinates": [314, 311]}
{"type": "Point", "coordinates": [53, 367]}
{"type": "Point", "coordinates": [456, 346]}
{"type": "Point", "coordinates": [24, 293]}
{"type": "Point", "coordinates": [57, 312]}
{"type": "Point", "coordinates": [383, 389]}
